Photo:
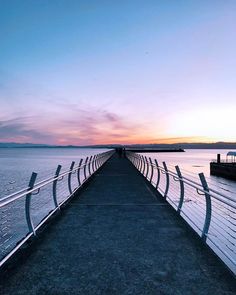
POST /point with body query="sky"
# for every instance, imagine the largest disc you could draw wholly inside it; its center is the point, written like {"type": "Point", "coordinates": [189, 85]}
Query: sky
{"type": "Point", "coordinates": [101, 72]}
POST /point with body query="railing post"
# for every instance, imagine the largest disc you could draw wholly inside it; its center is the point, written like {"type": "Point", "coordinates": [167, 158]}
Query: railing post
{"type": "Point", "coordinates": [208, 207]}
{"type": "Point", "coordinates": [89, 165]}
{"type": "Point", "coordinates": [93, 163]}
{"type": "Point", "coordinates": [143, 160]}
{"type": "Point", "coordinates": [69, 177]}
{"type": "Point", "coordinates": [28, 203]}
{"type": "Point", "coordinates": [140, 163]}
{"type": "Point", "coordinates": [78, 172]}
{"type": "Point", "coordinates": [158, 174]}
{"type": "Point", "coordinates": [167, 180]}
{"type": "Point", "coordinates": [85, 166]}
{"type": "Point", "coordinates": [151, 176]}
{"type": "Point", "coordinates": [97, 162]}
{"type": "Point", "coordinates": [54, 186]}
{"type": "Point", "coordinates": [136, 161]}
{"type": "Point", "coordinates": [181, 183]}
{"type": "Point", "coordinates": [146, 160]}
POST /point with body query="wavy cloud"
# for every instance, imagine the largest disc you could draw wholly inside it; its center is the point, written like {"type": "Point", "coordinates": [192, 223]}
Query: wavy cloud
{"type": "Point", "coordinates": [77, 126]}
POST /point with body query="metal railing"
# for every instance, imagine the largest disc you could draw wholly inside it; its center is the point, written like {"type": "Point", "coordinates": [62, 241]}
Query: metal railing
{"type": "Point", "coordinates": [210, 213]}
{"type": "Point", "coordinates": [223, 161]}
{"type": "Point", "coordinates": [22, 213]}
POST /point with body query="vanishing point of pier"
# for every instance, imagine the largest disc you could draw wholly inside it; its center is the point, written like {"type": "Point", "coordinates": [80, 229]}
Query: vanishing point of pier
{"type": "Point", "coordinates": [117, 235]}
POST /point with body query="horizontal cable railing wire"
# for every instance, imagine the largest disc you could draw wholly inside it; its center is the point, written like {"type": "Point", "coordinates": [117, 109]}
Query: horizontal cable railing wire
{"type": "Point", "coordinates": [22, 213]}
{"type": "Point", "coordinates": [209, 212]}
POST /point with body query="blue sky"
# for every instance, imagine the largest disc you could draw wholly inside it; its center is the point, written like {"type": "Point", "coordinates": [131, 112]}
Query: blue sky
{"type": "Point", "coordinates": [81, 72]}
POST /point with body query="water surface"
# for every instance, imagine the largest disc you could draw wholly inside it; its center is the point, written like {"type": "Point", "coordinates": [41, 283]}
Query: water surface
{"type": "Point", "coordinates": [17, 164]}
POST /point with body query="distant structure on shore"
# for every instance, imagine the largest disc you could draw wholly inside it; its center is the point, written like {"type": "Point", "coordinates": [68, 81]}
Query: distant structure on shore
{"type": "Point", "coordinates": [224, 168]}
{"type": "Point", "coordinates": [155, 150]}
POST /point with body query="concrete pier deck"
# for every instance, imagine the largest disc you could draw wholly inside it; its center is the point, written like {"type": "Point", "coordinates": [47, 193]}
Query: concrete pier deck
{"type": "Point", "coordinates": [118, 236]}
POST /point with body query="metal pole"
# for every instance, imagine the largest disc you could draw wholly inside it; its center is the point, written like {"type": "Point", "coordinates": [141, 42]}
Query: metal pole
{"type": "Point", "coordinates": [158, 174]}
{"type": "Point", "coordinates": [54, 186]}
{"type": "Point", "coordinates": [69, 177]}
{"type": "Point", "coordinates": [85, 166]}
{"type": "Point", "coordinates": [93, 163]}
{"type": "Point", "coordinates": [208, 207]}
{"type": "Point", "coordinates": [89, 165]}
{"type": "Point", "coordinates": [78, 172]}
{"type": "Point", "coordinates": [137, 161]}
{"type": "Point", "coordinates": [181, 183]}
{"type": "Point", "coordinates": [167, 180]}
{"type": "Point", "coordinates": [28, 203]}
{"type": "Point", "coordinates": [143, 165]}
{"type": "Point", "coordinates": [146, 160]}
{"type": "Point", "coordinates": [151, 169]}
{"type": "Point", "coordinates": [140, 163]}
{"type": "Point", "coordinates": [97, 161]}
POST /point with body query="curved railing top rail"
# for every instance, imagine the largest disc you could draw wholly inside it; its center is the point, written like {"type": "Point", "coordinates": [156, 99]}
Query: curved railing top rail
{"type": "Point", "coordinates": [198, 186]}
{"type": "Point", "coordinates": [23, 192]}
{"type": "Point", "coordinates": [14, 239]}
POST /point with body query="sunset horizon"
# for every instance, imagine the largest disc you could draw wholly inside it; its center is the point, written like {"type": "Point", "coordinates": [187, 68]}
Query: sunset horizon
{"type": "Point", "coordinates": [167, 141]}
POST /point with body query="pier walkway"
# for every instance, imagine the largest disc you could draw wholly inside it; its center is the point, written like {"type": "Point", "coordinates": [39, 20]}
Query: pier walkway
{"type": "Point", "coordinates": [117, 236]}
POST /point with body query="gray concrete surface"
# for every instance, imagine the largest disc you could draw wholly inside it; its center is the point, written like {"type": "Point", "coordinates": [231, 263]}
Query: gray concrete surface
{"type": "Point", "coordinates": [117, 237]}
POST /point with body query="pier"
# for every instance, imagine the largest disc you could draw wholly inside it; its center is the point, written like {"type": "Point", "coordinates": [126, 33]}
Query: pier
{"type": "Point", "coordinates": [156, 150]}
{"type": "Point", "coordinates": [117, 235]}
{"type": "Point", "coordinates": [225, 169]}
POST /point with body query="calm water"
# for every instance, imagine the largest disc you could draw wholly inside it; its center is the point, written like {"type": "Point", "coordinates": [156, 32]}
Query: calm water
{"type": "Point", "coordinates": [194, 161]}
{"type": "Point", "coordinates": [17, 164]}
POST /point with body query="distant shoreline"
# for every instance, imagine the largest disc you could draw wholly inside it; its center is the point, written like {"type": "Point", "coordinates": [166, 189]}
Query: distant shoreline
{"type": "Point", "coordinates": [217, 145]}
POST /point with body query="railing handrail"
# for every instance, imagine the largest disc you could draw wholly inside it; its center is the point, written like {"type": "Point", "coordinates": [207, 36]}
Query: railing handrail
{"type": "Point", "coordinates": [23, 192]}
{"type": "Point", "coordinates": [194, 184]}
{"type": "Point", "coordinates": [97, 160]}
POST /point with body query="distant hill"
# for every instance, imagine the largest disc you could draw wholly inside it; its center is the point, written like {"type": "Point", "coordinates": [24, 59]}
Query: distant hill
{"type": "Point", "coordinates": [38, 145]}
{"type": "Point", "coordinates": [20, 145]}
{"type": "Point", "coordinates": [185, 145]}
